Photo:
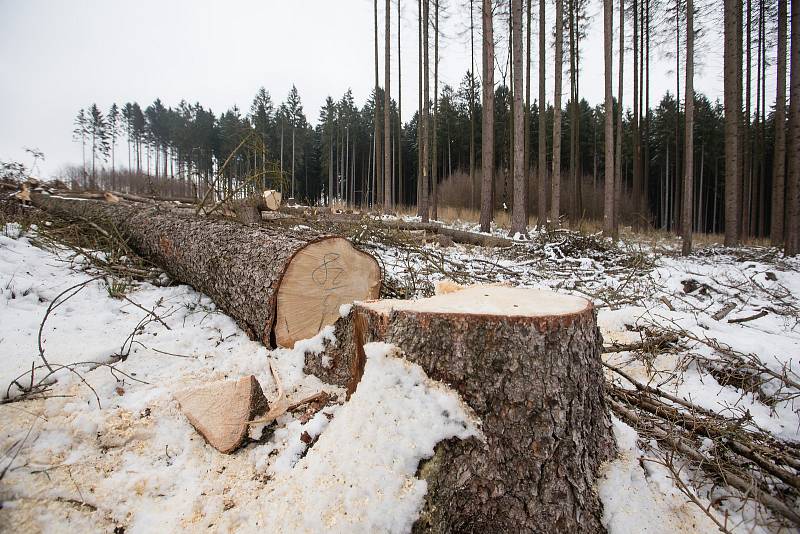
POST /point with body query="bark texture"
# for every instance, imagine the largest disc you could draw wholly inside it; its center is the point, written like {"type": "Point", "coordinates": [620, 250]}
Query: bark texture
{"type": "Point", "coordinates": [239, 267]}
{"type": "Point", "coordinates": [609, 219]}
{"type": "Point", "coordinates": [779, 167]}
{"type": "Point", "coordinates": [536, 383]}
{"type": "Point", "coordinates": [487, 132]}
{"type": "Point", "coordinates": [519, 214]}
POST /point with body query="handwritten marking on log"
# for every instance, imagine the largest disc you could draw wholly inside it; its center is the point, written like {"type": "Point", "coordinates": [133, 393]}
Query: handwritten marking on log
{"type": "Point", "coordinates": [320, 278]}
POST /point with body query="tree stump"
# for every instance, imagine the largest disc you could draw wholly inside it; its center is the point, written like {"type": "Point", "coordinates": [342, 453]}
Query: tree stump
{"type": "Point", "coordinates": [528, 363]}
{"type": "Point", "coordinates": [279, 286]}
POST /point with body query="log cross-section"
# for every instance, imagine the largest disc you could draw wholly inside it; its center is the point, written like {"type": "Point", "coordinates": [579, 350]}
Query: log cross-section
{"type": "Point", "coordinates": [528, 363]}
{"type": "Point", "coordinates": [279, 286]}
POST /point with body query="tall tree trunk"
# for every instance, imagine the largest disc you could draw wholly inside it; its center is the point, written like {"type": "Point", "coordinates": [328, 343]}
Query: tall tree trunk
{"type": "Point", "coordinates": [435, 132]}
{"type": "Point", "coordinates": [472, 105]}
{"type": "Point", "coordinates": [732, 124]}
{"type": "Point", "coordinates": [426, 137]}
{"type": "Point", "coordinates": [793, 194]}
{"type": "Point", "coordinates": [609, 224]}
{"type": "Point", "coordinates": [519, 221]}
{"type": "Point", "coordinates": [400, 191]}
{"type": "Point", "coordinates": [688, 158]}
{"type": "Point", "coordinates": [779, 165]}
{"type": "Point", "coordinates": [646, 74]}
{"type": "Point", "coordinates": [387, 109]}
{"type": "Point", "coordinates": [487, 133]}
{"type": "Point", "coordinates": [378, 194]}
{"type": "Point", "coordinates": [527, 126]}
{"type": "Point", "coordinates": [555, 204]}
{"type": "Point", "coordinates": [747, 176]}
{"type": "Point", "coordinates": [637, 183]}
{"type": "Point", "coordinates": [542, 166]}
{"type": "Point", "coordinates": [618, 185]}
{"type": "Point", "coordinates": [420, 127]}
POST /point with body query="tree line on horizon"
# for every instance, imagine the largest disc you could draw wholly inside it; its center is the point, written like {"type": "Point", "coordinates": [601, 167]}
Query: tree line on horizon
{"type": "Point", "coordinates": [676, 165]}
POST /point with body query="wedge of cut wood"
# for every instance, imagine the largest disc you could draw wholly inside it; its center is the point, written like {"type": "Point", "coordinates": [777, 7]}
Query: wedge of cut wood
{"type": "Point", "coordinates": [221, 411]}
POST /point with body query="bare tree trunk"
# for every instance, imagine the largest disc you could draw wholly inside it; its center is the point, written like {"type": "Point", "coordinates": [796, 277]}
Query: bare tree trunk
{"type": "Point", "coordinates": [618, 158]}
{"type": "Point", "coordinates": [518, 216]}
{"type": "Point", "coordinates": [435, 133]}
{"type": "Point", "coordinates": [637, 95]}
{"type": "Point", "coordinates": [420, 128]}
{"type": "Point", "coordinates": [542, 192]}
{"type": "Point", "coordinates": [487, 133]}
{"type": "Point", "coordinates": [688, 158]}
{"type": "Point", "coordinates": [609, 224]}
{"type": "Point", "coordinates": [472, 105]}
{"type": "Point", "coordinates": [400, 192]}
{"type": "Point", "coordinates": [732, 107]}
{"type": "Point", "coordinates": [779, 166]}
{"type": "Point", "coordinates": [426, 137]}
{"type": "Point", "coordinates": [555, 203]}
{"type": "Point", "coordinates": [378, 193]}
{"type": "Point", "coordinates": [527, 126]}
{"type": "Point", "coordinates": [793, 194]}
{"type": "Point", "coordinates": [387, 110]}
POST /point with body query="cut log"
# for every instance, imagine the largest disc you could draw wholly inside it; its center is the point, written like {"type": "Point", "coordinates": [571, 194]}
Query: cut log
{"type": "Point", "coordinates": [278, 285]}
{"type": "Point", "coordinates": [221, 412]}
{"type": "Point", "coordinates": [272, 199]}
{"type": "Point", "coordinates": [528, 363]}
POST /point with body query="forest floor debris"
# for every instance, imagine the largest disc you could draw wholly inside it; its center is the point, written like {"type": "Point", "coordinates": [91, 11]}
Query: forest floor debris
{"type": "Point", "coordinates": [702, 358]}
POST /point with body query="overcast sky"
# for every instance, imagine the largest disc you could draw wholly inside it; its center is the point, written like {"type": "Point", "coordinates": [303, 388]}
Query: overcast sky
{"type": "Point", "coordinates": [59, 56]}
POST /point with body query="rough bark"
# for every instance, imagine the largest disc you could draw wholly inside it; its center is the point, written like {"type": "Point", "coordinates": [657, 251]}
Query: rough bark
{"type": "Point", "coordinates": [519, 216]}
{"type": "Point", "coordinates": [555, 207]}
{"type": "Point", "coordinates": [609, 223]}
{"type": "Point", "coordinates": [793, 190]}
{"type": "Point", "coordinates": [426, 132]}
{"type": "Point", "coordinates": [542, 165]}
{"type": "Point", "coordinates": [487, 133]}
{"type": "Point", "coordinates": [378, 177]}
{"type": "Point", "coordinates": [534, 380]}
{"type": "Point", "coordinates": [688, 177]}
{"type": "Point", "coordinates": [732, 112]}
{"type": "Point", "coordinates": [618, 147]}
{"type": "Point", "coordinates": [387, 122]}
{"type": "Point", "coordinates": [241, 268]}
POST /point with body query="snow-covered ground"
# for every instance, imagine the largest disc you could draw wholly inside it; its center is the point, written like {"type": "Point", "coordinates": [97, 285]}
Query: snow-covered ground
{"type": "Point", "coordinates": [110, 448]}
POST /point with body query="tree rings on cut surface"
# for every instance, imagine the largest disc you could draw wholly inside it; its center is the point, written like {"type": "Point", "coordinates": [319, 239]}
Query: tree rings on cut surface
{"type": "Point", "coordinates": [318, 280]}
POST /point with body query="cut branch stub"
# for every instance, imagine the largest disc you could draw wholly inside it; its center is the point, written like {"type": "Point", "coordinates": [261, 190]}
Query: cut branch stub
{"type": "Point", "coordinates": [528, 363]}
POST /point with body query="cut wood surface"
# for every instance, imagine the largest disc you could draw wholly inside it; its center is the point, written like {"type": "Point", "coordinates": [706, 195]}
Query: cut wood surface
{"type": "Point", "coordinates": [241, 268]}
{"type": "Point", "coordinates": [528, 363]}
{"type": "Point", "coordinates": [221, 412]}
{"type": "Point", "coordinates": [272, 199]}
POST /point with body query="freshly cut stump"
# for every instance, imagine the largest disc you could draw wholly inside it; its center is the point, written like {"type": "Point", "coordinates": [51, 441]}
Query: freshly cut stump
{"type": "Point", "coordinates": [221, 411]}
{"type": "Point", "coordinates": [527, 362]}
{"type": "Point", "coordinates": [278, 285]}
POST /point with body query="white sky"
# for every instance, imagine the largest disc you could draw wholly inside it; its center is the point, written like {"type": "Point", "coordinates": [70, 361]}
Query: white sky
{"type": "Point", "coordinates": [59, 56]}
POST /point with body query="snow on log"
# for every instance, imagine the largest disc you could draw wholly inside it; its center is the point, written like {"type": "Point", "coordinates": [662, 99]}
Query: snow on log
{"type": "Point", "coordinates": [221, 411]}
{"type": "Point", "coordinates": [279, 286]}
{"type": "Point", "coordinates": [527, 361]}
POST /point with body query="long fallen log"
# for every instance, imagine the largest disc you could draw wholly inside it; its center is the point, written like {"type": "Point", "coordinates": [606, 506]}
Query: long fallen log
{"type": "Point", "coordinates": [279, 286]}
{"type": "Point", "coordinates": [528, 364]}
